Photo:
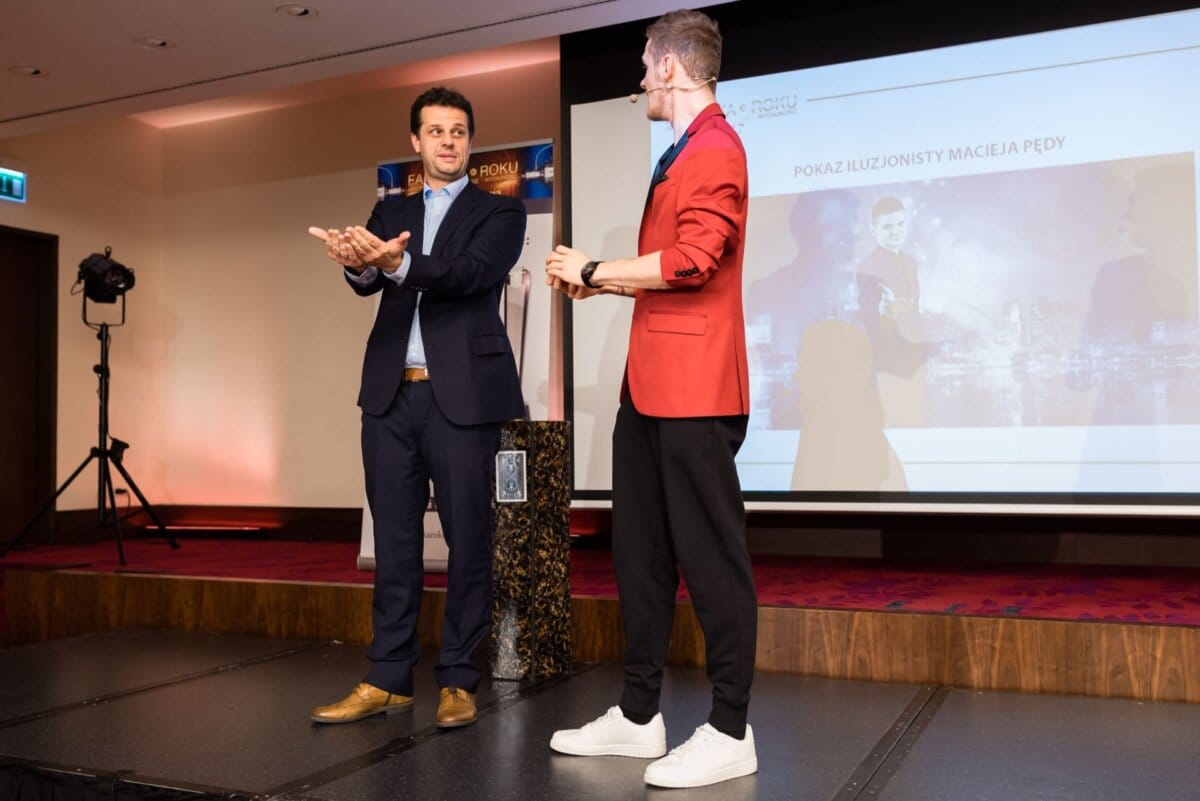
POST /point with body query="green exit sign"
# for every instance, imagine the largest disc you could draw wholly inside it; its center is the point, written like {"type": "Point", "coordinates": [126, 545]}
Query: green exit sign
{"type": "Point", "coordinates": [12, 185]}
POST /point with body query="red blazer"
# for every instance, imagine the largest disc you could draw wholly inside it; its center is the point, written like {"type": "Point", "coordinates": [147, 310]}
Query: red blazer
{"type": "Point", "coordinates": [687, 344]}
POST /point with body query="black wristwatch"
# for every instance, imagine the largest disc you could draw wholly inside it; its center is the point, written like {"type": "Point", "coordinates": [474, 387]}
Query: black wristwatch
{"type": "Point", "coordinates": [586, 273]}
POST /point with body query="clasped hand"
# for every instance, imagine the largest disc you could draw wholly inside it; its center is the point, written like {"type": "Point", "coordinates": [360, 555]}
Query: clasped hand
{"type": "Point", "coordinates": [563, 267]}
{"type": "Point", "coordinates": [357, 248]}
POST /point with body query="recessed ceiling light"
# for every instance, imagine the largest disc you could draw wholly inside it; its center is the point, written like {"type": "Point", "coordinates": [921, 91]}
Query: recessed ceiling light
{"type": "Point", "coordinates": [152, 42]}
{"type": "Point", "coordinates": [296, 10]}
{"type": "Point", "coordinates": [28, 71]}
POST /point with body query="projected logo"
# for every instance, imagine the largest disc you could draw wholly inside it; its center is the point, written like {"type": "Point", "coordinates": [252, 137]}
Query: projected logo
{"type": "Point", "coordinates": [761, 108]}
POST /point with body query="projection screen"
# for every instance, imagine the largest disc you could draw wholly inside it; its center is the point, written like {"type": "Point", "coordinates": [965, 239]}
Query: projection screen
{"type": "Point", "coordinates": [970, 278]}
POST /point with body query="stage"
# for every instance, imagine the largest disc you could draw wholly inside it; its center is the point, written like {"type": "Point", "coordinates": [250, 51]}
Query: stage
{"type": "Point", "coordinates": [192, 673]}
{"type": "Point", "coordinates": [1104, 631]}
{"type": "Point", "coordinates": [179, 715]}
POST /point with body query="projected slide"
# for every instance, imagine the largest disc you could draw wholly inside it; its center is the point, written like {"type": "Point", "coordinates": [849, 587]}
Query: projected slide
{"type": "Point", "coordinates": [971, 269]}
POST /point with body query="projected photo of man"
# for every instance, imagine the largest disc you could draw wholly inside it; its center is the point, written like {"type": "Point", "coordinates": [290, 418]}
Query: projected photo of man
{"type": "Point", "coordinates": [887, 278]}
{"type": "Point", "coordinates": [995, 310]}
{"type": "Point", "coordinates": [889, 304]}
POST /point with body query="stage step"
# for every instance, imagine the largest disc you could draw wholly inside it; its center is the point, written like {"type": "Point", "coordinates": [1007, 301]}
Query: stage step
{"type": "Point", "coordinates": [1103, 659]}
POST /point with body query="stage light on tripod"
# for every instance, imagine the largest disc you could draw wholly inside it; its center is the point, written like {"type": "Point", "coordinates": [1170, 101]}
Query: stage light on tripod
{"type": "Point", "coordinates": [104, 280]}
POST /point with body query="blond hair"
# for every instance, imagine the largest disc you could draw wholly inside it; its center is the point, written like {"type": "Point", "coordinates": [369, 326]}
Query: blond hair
{"type": "Point", "coordinates": [692, 37]}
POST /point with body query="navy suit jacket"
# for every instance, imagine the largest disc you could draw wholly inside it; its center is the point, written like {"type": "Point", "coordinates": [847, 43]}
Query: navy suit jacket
{"type": "Point", "coordinates": [470, 359]}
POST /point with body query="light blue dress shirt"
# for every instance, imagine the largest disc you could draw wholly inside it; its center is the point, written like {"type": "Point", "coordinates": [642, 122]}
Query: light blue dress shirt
{"type": "Point", "coordinates": [437, 203]}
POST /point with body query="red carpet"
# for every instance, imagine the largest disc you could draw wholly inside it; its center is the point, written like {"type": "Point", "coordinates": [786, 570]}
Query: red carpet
{"type": "Point", "coordinates": [1061, 592]}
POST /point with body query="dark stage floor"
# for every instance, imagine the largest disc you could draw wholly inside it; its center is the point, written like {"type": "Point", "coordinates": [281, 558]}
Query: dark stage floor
{"type": "Point", "coordinates": [121, 714]}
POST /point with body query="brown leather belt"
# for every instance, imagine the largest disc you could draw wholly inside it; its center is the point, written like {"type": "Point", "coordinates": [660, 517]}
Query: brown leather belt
{"type": "Point", "coordinates": [416, 374]}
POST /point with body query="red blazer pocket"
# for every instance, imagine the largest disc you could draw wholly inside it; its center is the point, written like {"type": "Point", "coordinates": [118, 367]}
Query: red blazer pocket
{"type": "Point", "coordinates": [677, 323]}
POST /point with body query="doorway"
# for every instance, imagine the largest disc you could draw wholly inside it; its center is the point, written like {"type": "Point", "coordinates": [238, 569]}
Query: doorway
{"type": "Point", "coordinates": [28, 380]}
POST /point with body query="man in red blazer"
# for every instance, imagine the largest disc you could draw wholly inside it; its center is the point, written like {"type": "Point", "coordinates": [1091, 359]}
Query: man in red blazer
{"type": "Point", "coordinates": [685, 402]}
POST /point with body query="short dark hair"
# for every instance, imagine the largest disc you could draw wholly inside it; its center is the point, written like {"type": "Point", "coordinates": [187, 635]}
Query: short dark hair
{"type": "Point", "coordinates": [694, 39]}
{"type": "Point", "coordinates": [887, 205]}
{"type": "Point", "coordinates": [440, 96]}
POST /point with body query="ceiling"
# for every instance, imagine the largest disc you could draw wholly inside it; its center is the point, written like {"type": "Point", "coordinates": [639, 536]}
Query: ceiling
{"type": "Point", "coordinates": [224, 57]}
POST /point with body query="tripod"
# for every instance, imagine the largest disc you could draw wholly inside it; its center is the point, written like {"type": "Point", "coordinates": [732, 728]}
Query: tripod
{"type": "Point", "coordinates": [109, 456]}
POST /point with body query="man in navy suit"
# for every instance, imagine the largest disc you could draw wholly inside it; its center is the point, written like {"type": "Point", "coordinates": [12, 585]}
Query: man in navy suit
{"type": "Point", "coordinates": [438, 381]}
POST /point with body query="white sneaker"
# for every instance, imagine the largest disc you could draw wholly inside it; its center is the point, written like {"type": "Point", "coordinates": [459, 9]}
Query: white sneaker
{"type": "Point", "coordinates": [708, 757]}
{"type": "Point", "coordinates": [613, 734]}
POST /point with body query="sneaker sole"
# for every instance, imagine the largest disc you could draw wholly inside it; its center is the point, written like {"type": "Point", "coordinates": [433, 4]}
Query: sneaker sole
{"type": "Point", "coordinates": [747, 768]}
{"type": "Point", "coordinates": [635, 751]}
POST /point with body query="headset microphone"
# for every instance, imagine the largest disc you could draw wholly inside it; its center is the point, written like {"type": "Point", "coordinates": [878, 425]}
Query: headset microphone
{"type": "Point", "coordinates": [634, 97]}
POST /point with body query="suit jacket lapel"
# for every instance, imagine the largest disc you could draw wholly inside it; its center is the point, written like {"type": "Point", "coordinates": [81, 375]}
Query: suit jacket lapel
{"type": "Point", "coordinates": [455, 215]}
{"type": "Point", "coordinates": [413, 220]}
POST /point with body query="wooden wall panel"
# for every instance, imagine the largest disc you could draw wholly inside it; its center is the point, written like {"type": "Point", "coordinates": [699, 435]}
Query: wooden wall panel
{"type": "Point", "coordinates": [597, 636]}
{"type": "Point", "coordinates": [44, 605]}
{"type": "Point", "coordinates": [1092, 658]}
{"type": "Point", "coordinates": [1072, 657]}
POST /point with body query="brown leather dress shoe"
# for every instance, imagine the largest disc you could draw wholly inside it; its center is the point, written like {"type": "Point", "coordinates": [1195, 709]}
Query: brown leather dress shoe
{"type": "Point", "coordinates": [456, 708]}
{"type": "Point", "coordinates": [363, 702]}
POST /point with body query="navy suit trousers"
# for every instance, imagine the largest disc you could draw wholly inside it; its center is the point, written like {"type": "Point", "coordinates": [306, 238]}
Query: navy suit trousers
{"type": "Point", "coordinates": [404, 449]}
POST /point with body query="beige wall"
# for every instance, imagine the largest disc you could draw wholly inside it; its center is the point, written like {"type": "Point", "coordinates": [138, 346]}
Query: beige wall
{"type": "Point", "coordinates": [94, 186]}
{"type": "Point", "coordinates": [235, 377]}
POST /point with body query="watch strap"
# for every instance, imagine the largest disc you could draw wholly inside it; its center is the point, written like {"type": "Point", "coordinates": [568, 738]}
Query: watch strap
{"type": "Point", "coordinates": [586, 274]}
